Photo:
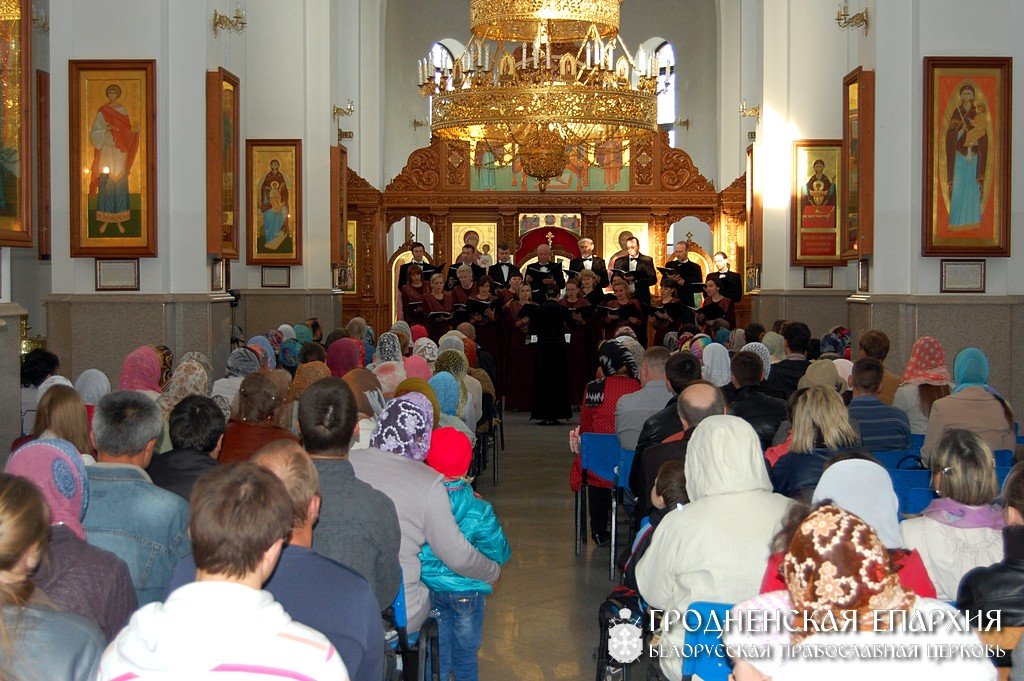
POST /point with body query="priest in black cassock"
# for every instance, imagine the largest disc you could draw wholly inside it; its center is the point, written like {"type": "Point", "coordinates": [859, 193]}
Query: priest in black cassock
{"type": "Point", "coordinates": [687, 278]}
{"type": "Point", "coordinates": [551, 399]}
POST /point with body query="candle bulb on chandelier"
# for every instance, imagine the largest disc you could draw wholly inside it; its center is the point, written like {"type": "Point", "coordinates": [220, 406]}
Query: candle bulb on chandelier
{"type": "Point", "coordinates": [524, 56]}
{"type": "Point", "coordinates": [588, 55]}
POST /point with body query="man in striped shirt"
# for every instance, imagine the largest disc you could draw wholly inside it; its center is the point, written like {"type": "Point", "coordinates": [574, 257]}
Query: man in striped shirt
{"type": "Point", "coordinates": [882, 427]}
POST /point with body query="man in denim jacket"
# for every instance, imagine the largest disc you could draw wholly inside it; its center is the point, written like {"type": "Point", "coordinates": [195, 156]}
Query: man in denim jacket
{"type": "Point", "coordinates": [145, 526]}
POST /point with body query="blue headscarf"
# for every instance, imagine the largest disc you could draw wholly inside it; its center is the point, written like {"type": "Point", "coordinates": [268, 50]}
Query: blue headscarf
{"type": "Point", "coordinates": [722, 337]}
{"type": "Point", "coordinates": [447, 390]}
{"type": "Point", "coordinates": [970, 370]}
{"type": "Point", "coordinates": [290, 353]}
{"type": "Point", "coordinates": [303, 333]}
{"type": "Point", "coordinates": [268, 350]}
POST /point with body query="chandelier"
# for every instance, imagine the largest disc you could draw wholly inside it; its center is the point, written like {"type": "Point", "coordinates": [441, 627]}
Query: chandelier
{"type": "Point", "coordinates": [546, 80]}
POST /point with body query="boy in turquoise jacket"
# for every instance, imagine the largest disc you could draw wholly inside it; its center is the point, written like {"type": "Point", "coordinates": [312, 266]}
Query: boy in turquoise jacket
{"type": "Point", "coordinates": [458, 602]}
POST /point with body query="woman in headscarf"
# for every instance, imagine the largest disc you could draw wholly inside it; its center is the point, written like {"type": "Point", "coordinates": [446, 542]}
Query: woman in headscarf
{"type": "Point", "coordinates": [635, 349]}
{"type": "Point", "coordinates": [356, 328]}
{"type": "Point", "coordinates": [283, 380]}
{"type": "Point", "coordinates": [68, 574]}
{"type": "Point", "coordinates": [344, 355]}
{"type": "Point", "coordinates": [255, 419]}
{"type": "Point", "coordinates": [404, 427]}
{"type": "Point", "coordinates": [189, 378]}
{"type": "Point", "coordinates": [844, 368]}
{"type": "Point", "coordinates": [289, 355]}
{"type": "Point", "coordinates": [697, 344]}
{"type": "Point", "coordinates": [837, 569]}
{"type": "Point", "coordinates": [737, 340]}
{"type": "Point", "coordinates": [287, 332]}
{"type": "Point", "coordinates": [269, 354]}
{"type": "Point", "coordinates": [417, 367]}
{"type": "Point", "coordinates": [421, 386]}
{"type": "Point", "coordinates": [864, 488]}
{"type": "Point", "coordinates": [92, 384]}
{"type": "Point", "coordinates": [974, 405]}
{"type": "Point", "coordinates": [402, 327]}
{"type": "Point", "coordinates": [275, 338]}
{"type": "Point", "coordinates": [714, 548]}
{"type": "Point", "coordinates": [450, 393]}
{"type": "Point", "coordinates": [166, 363]}
{"type": "Point", "coordinates": [418, 331]}
{"type": "Point", "coordinates": [305, 375]}
{"type": "Point", "coordinates": [717, 369]}
{"type": "Point", "coordinates": [961, 529]}
{"type": "Point", "coordinates": [241, 363]}
{"type": "Point", "coordinates": [616, 377]}
{"type": "Point", "coordinates": [427, 349]}
{"type": "Point", "coordinates": [369, 402]}
{"type": "Point", "coordinates": [303, 333]}
{"type": "Point", "coordinates": [774, 342]}
{"type": "Point", "coordinates": [141, 371]}
{"type": "Point", "coordinates": [722, 336]}
{"type": "Point", "coordinates": [389, 349]}
{"type": "Point", "coordinates": [763, 353]}
{"type": "Point", "coordinates": [925, 380]}
{"type": "Point", "coordinates": [455, 363]}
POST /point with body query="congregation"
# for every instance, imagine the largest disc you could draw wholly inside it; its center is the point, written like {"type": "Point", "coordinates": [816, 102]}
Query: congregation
{"type": "Point", "coordinates": [758, 479]}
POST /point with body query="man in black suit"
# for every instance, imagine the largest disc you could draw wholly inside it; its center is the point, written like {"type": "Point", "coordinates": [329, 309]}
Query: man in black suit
{"type": "Point", "coordinates": [640, 272]}
{"type": "Point", "coordinates": [418, 253]}
{"type": "Point", "coordinates": [729, 283]}
{"type": "Point", "coordinates": [688, 278]}
{"type": "Point", "coordinates": [589, 261]}
{"type": "Point", "coordinates": [468, 257]}
{"type": "Point", "coordinates": [543, 274]}
{"type": "Point", "coordinates": [503, 270]}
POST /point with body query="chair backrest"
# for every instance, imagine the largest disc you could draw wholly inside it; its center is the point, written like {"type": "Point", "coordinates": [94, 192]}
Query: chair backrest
{"type": "Point", "coordinates": [899, 458]}
{"type": "Point", "coordinates": [917, 441]}
{"type": "Point", "coordinates": [1004, 458]}
{"type": "Point", "coordinates": [398, 607]}
{"type": "Point", "coordinates": [704, 624]}
{"type": "Point", "coordinates": [599, 454]}
{"type": "Point", "coordinates": [905, 480]}
{"type": "Point", "coordinates": [1001, 473]}
{"type": "Point", "coordinates": [625, 466]}
{"type": "Point", "coordinates": [916, 499]}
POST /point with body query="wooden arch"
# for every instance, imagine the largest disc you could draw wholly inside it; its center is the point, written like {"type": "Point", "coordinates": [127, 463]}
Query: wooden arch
{"type": "Point", "coordinates": [434, 186]}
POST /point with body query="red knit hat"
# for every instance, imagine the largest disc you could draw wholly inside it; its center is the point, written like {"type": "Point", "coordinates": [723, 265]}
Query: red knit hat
{"type": "Point", "coordinates": [450, 452]}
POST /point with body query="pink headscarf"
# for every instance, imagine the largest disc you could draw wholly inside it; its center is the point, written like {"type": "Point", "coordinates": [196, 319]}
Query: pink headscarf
{"type": "Point", "coordinates": [927, 363]}
{"type": "Point", "coordinates": [418, 331]}
{"type": "Point", "coordinates": [344, 355]}
{"type": "Point", "coordinates": [417, 367]}
{"type": "Point", "coordinates": [141, 370]}
{"type": "Point", "coordinates": [56, 468]}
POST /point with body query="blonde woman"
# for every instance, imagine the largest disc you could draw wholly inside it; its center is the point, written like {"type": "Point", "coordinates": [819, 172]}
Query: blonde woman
{"type": "Point", "coordinates": [438, 307]}
{"type": "Point", "coordinates": [821, 429]}
{"type": "Point", "coordinates": [962, 529]}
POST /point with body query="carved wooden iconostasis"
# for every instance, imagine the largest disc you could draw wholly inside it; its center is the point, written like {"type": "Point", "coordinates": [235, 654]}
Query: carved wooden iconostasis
{"type": "Point", "coordinates": [435, 187]}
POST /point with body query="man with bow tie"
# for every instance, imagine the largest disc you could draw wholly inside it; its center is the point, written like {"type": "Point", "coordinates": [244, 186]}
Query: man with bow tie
{"type": "Point", "coordinates": [502, 271]}
{"type": "Point", "coordinates": [589, 261]}
{"type": "Point", "coordinates": [640, 272]}
{"type": "Point", "coordinates": [543, 274]}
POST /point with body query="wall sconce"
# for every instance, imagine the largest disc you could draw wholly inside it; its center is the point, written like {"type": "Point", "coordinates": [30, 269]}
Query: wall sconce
{"type": "Point", "coordinates": [418, 123]}
{"type": "Point", "coordinates": [752, 112]}
{"type": "Point", "coordinates": [846, 20]}
{"type": "Point", "coordinates": [40, 20]}
{"type": "Point", "coordinates": [685, 123]}
{"type": "Point", "coordinates": [222, 22]}
{"type": "Point", "coordinates": [348, 110]}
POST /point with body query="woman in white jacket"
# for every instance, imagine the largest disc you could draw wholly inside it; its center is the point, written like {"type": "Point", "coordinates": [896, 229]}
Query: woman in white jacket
{"type": "Point", "coordinates": [716, 547]}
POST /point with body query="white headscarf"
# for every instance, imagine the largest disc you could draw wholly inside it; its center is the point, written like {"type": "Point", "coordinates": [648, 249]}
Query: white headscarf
{"type": "Point", "coordinates": [50, 382]}
{"type": "Point", "coordinates": [845, 369]}
{"type": "Point", "coordinates": [92, 384]}
{"type": "Point", "coordinates": [864, 489]}
{"type": "Point", "coordinates": [288, 331]}
{"type": "Point", "coordinates": [717, 369]}
{"type": "Point", "coordinates": [723, 457]}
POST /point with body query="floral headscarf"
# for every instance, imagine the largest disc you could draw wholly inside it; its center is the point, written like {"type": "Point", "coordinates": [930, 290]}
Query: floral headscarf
{"type": "Point", "coordinates": [276, 338]}
{"type": "Point", "coordinates": [447, 390]}
{"type": "Point", "coordinates": [836, 564]}
{"type": "Point", "coordinates": [141, 370]}
{"type": "Point", "coordinates": [763, 353]}
{"type": "Point", "coordinates": [290, 349]}
{"type": "Point", "coordinates": [344, 355]}
{"type": "Point", "coordinates": [92, 384]}
{"type": "Point", "coordinates": [611, 357]}
{"type": "Point", "coordinates": [402, 327]}
{"type": "Point", "coordinates": [404, 427]}
{"type": "Point", "coordinates": [303, 333]}
{"type": "Point", "coordinates": [697, 344]}
{"type": "Point", "coordinates": [421, 387]}
{"type": "Point", "coordinates": [306, 375]}
{"type": "Point", "coordinates": [927, 363]}
{"type": "Point", "coordinates": [268, 350]}
{"type": "Point", "coordinates": [388, 348]}
{"type": "Point", "coordinates": [56, 468]}
{"type": "Point", "coordinates": [203, 361]}
{"type": "Point", "coordinates": [717, 369]}
{"type": "Point", "coordinates": [190, 378]}
{"type": "Point", "coordinates": [242, 362]}
{"type": "Point", "coordinates": [166, 363]}
{"type": "Point", "coordinates": [427, 349]}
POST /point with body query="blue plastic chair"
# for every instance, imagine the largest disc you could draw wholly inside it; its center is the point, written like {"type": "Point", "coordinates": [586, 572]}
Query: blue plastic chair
{"type": "Point", "coordinates": [905, 480]}
{"type": "Point", "coordinates": [899, 458]}
{"type": "Point", "coordinates": [1004, 458]}
{"type": "Point", "coordinates": [917, 441]}
{"type": "Point", "coordinates": [711, 664]}
{"type": "Point", "coordinates": [407, 645]}
{"type": "Point", "coordinates": [916, 499]}
{"type": "Point", "coordinates": [1001, 473]}
{"type": "Point", "coordinates": [601, 455]}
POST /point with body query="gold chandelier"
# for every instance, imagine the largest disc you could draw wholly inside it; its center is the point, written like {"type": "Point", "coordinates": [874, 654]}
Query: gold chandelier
{"type": "Point", "coordinates": [547, 80]}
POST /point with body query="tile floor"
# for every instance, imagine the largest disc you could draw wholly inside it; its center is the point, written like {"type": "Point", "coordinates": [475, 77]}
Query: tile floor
{"type": "Point", "coordinates": [541, 622]}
